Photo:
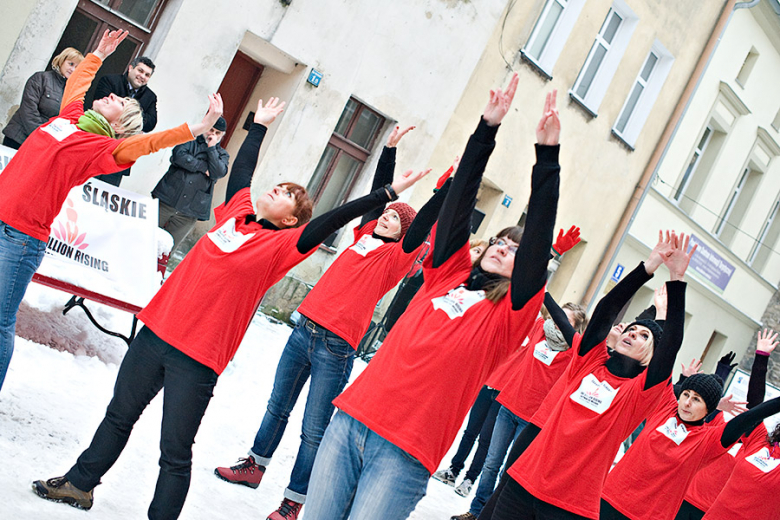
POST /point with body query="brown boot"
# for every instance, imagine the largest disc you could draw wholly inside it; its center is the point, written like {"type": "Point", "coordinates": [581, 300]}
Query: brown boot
{"type": "Point", "coordinates": [61, 490]}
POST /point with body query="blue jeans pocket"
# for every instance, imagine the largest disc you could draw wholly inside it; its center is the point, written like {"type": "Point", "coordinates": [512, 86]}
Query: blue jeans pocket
{"type": "Point", "coordinates": [14, 236]}
{"type": "Point", "coordinates": [339, 348]}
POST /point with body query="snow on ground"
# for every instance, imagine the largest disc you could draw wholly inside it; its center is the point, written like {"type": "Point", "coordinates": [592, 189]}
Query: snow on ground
{"type": "Point", "coordinates": [52, 402]}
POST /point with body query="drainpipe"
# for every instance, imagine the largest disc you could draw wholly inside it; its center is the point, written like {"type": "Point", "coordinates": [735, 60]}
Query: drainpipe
{"type": "Point", "coordinates": [642, 187]}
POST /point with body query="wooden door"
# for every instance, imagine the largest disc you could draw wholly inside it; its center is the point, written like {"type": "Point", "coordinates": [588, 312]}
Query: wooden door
{"type": "Point", "coordinates": [236, 89]}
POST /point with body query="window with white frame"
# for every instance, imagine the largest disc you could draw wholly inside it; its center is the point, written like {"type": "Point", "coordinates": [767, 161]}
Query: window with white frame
{"type": "Point", "coordinates": [737, 205]}
{"type": "Point", "coordinates": [747, 67]}
{"type": "Point", "coordinates": [766, 239]}
{"type": "Point", "coordinates": [604, 57]}
{"type": "Point", "coordinates": [776, 122]}
{"type": "Point", "coordinates": [698, 152]}
{"type": "Point", "coordinates": [550, 33]}
{"type": "Point", "coordinates": [643, 94]}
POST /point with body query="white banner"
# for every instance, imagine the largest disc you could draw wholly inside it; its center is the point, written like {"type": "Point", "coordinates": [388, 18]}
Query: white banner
{"type": "Point", "coordinates": [104, 241]}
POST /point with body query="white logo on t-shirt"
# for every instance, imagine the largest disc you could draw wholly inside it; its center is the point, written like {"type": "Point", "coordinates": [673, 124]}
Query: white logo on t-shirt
{"type": "Point", "coordinates": [594, 394]}
{"type": "Point", "coordinates": [456, 302]}
{"type": "Point", "coordinates": [676, 431]}
{"type": "Point", "coordinates": [227, 238]}
{"type": "Point", "coordinates": [60, 128]}
{"type": "Point", "coordinates": [734, 449]}
{"type": "Point", "coordinates": [544, 353]}
{"type": "Point", "coordinates": [366, 244]}
{"type": "Point", "coordinates": [763, 460]}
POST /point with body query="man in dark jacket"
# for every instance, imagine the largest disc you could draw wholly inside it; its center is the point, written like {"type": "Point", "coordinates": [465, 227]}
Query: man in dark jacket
{"type": "Point", "coordinates": [132, 84]}
{"type": "Point", "coordinates": [186, 189]}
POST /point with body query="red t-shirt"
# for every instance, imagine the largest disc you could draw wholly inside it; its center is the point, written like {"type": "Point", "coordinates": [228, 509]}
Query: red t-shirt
{"type": "Point", "coordinates": [751, 493]}
{"type": "Point", "coordinates": [56, 157]}
{"type": "Point", "coordinates": [343, 300]}
{"type": "Point", "coordinates": [710, 479]}
{"type": "Point", "coordinates": [534, 376]}
{"type": "Point", "coordinates": [419, 387]}
{"type": "Point", "coordinates": [556, 391]}
{"type": "Point", "coordinates": [504, 372]}
{"type": "Point", "coordinates": [205, 306]}
{"type": "Point", "coordinates": [567, 463]}
{"type": "Point", "coordinates": [649, 482]}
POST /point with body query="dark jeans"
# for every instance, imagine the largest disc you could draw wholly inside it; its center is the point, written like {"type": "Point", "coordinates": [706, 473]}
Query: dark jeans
{"type": "Point", "coordinates": [113, 179]}
{"type": "Point", "coordinates": [176, 223]}
{"type": "Point", "coordinates": [518, 504]}
{"type": "Point", "coordinates": [608, 512]}
{"type": "Point", "coordinates": [478, 416]}
{"type": "Point", "coordinates": [526, 437]}
{"type": "Point", "coordinates": [10, 143]}
{"type": "Point", "coordinates": [149, 365]}
{"type": "Point", "coordinates": [689, 512]}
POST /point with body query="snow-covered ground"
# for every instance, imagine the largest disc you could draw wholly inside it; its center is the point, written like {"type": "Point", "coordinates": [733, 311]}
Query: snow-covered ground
{"type": "Point", "coordinates": [52, 402]}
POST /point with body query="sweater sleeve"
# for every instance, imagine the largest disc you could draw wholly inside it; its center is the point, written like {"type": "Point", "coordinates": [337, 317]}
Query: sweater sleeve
{"type": "Point", "coordinates": [421, 225]}
{"type": "Point", "coordinates": [665, 352]}
{"type": "Point", "coordinates": [454, 226]}
{"type": "Point", "coordinates": [757, 383]}
{"type": "Point", "coordinates": [559, 317]}
{"type": "Point", "coordinates": [217, 162]}
{"type": "Point", "coordinates": [246, 161]}
{"type": "Point", "coordinates": [323, 226]}
{"type": "Point", "coordinates": [383, 175]}
{"type": "Point", "coordinates": [609, 307]}
{"type": "Point", "coordinates": [745, 423]}
{"type": "Point", "coordinates": [529, 273]}
{"type": "Point", "coordinates": [130, 149]}
{"type": "Point", "coordinates": [79, 81]}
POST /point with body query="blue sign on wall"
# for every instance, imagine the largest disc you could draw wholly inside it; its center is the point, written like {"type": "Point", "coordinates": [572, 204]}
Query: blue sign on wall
{"type": "Point", "coordinates": [507, 201]}
{"type": "Point", "coordinates": [314, 77]}
{"type": "Point", "coordinates": [617, 273]}
{"type": "Point", "coordinates": [710, 266]}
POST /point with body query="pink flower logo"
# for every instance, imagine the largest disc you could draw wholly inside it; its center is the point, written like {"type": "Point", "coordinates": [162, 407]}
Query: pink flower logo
{"type": "Point", "coordinates": [69, 233]}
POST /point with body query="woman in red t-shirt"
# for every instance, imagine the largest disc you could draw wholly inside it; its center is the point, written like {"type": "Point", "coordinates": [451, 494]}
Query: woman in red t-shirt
{"type": "Point", "coordinates": [562, 472]}
{"type": "Point", "coordinates": [59, 155]}
{"type": "Point", "coordinates": [649, 482]}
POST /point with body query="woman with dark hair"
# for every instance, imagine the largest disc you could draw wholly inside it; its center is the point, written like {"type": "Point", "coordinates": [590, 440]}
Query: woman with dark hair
{"type": "Point", "coordinates": [398, 419]}
{"type": "Point", "coordinates": [607, 395]}
{"type": "Point", "coordinates": [196, 321]}
{"type": "Point", "coordinates": [41, 98]}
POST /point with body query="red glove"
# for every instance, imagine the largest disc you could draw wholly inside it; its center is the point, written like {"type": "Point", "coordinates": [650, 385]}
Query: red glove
{"type": "Point", "coordinates": [565, 242]}
{"type": "Point", "coordinates": [443, 178]}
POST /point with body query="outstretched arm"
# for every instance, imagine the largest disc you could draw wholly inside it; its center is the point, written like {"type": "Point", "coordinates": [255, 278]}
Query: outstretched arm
{"type": "Point", "coordinates": [453, 230]}
{"type": "Point", "coordinates": [384, 170]}
{"type": "Point", "coordinates": [745, 423]}
{"type": "Point", "coordinates": [78, 83]}
{"type": "Point", "coordinates": [421, 225]}
{"type": "Point", "coordinates": [767, 341]}
{"type": "Point", "coordinates": [559, 317]}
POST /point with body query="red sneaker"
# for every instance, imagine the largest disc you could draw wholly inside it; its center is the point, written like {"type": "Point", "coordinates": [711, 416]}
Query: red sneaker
{"type": "Point", "coordinates": [289, 510]}
{"type": "Point", "coordinates": [246, 472]}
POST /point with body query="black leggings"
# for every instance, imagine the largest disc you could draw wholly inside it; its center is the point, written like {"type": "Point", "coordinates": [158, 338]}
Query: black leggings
{"type": "Point", "coordinates": [518, 504]}
{"type": "Point", "coordinates": [610, 513]}
{"type": "Point", "coordinates": [527, 435]}
{"type": "Point", "coordinates": [689, 512]}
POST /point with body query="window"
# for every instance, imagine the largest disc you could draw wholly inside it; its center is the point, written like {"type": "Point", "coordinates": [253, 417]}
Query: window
{"type": "Point", "coordinates": [604, 57]}
{"type": "Point", "coordinates": [766, 239]}
{"type": "Point", "coordinates": [345, 155]}
{"type": "Point", "coordinates": [550, 33]}
{"type": "Point", "coordinates": [776, 122]}
{"type": "Point", "coordinates": [694, 162]}
{"type": "Point", "coordinates": [747, 67]}
{"type": "Point", "coordinates": [737, 205]}
{"type": "Point", "coordinates": [643, 94]}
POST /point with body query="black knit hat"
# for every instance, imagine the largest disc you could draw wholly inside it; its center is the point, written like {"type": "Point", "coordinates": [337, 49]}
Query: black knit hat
{"type": "Point", "coordinates": [655, 329]}
{"type": "Point", "coordinates": [221, 124]}
{"type": "Point", "coordinates": [708, 386]}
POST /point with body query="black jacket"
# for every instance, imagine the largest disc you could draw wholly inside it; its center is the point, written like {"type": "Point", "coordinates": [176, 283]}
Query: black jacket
{"type": "Point", "coordinates": [185, 186]}
{"type": "Point", "coordinates": [118, 84]}
{"type": "Point", "coordinates": [40, 102]}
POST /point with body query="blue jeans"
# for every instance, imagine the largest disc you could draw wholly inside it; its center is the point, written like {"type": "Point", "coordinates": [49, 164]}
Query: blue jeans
{"type": "Point", "coordinates": [310, 350]}
{"type": "Point", "coordinates": [479, 414]}
{"type": "Point", "coordinates": [508, 427]}
{"type": "Point", "coordinates": [360, 475]}
{"type": "Point", "coordinates": [149, 365]}
{"type": "Point", "coordinates": [20, 256]}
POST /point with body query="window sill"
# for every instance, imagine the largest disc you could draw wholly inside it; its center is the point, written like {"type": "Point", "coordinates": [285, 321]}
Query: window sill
{"type": "Point", "coordinates": [622, 140]}
{"type": "Point", "coordinates": [535, 66]}
{"type": "Point", "coordinates": [579, 102]}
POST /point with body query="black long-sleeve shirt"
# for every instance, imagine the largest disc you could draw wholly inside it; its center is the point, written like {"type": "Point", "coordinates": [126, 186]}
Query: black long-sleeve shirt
{"type": "Point", "coordinates": [559, 317]}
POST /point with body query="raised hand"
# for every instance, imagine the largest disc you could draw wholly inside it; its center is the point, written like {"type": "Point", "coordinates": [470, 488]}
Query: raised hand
{"type": "Point", "coordinates": [215, 111]}
{"type": "Point", "coordinates": [499, 102]}
{"type": "Point", "coordinates": [109, 42]}
{"type": "Point", "coordinates": [659, 252]}
{"type": "Point", "coordinates": [660, 302]}
{"type": "Point", "coordinates": [728, 359]}
{"type": "Point", "coordinates": [446, 175]}
{"type": "Point", "coordinates": [693, 368]}
{"type": "Point", "coordinates": [407, 179]}
{"type": "Point", "coordinates": [679, 257]}
{"type": "Point", "coordinates": [566, 241]}
{"type": "Point", "coordinates": [265, 115]}
{"type": "Point", "coordinates": [729, 405]}
{"type": "Point", "coordinates": [397, 134]}
{"type": "Point", "coordinates": [548, 131]}
{"type": "Point", "coordinates": [767, 341]}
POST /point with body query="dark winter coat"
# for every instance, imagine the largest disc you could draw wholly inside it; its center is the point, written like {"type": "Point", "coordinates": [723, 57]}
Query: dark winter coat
{"type": "Point", "coordinates": [185, 186]}
{"type": "Point", "coordinates": [40, 102]}
{"type": "Point", "coordinates": [118, 84]}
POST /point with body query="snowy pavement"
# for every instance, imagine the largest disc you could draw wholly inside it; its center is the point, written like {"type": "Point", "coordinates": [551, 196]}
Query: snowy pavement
{"type": "Point", "coordinates": [52, 402]}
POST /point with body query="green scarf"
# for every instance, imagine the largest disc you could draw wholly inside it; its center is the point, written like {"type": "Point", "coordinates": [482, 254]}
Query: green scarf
{"type": "Point", "coordinates": [95, 123]}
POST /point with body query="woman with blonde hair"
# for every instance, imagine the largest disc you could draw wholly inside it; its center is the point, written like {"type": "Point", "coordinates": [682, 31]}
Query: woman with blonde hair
{"type": "Point", "coordinates": [41, 98]}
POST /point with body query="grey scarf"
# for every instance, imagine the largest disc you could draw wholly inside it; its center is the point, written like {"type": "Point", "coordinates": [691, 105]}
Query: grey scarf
{"type": "Point", "coordinates": [554, 336]}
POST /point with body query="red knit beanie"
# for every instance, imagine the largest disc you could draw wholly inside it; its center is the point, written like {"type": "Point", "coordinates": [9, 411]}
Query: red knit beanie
{"type": "Point", "coordinates": [405, 212]}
